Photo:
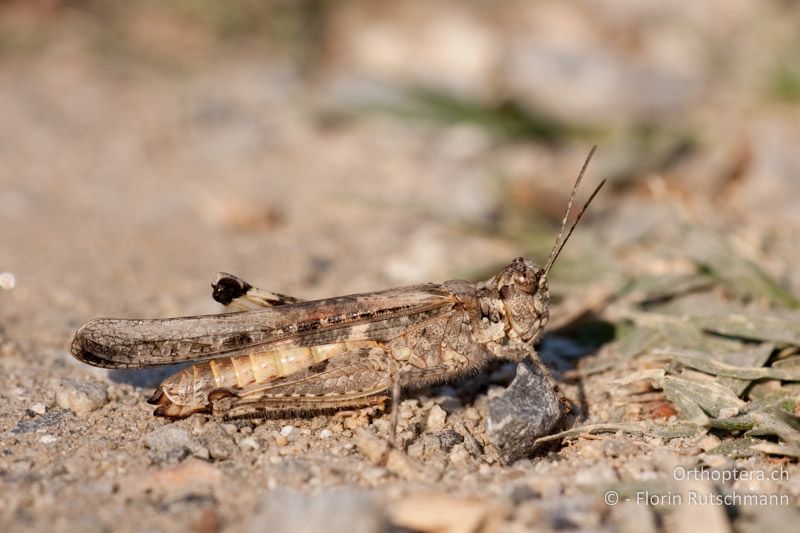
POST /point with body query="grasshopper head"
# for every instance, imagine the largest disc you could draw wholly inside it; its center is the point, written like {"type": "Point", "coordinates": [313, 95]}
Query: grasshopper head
{"type": "Point", "coordinates": [522, 286]}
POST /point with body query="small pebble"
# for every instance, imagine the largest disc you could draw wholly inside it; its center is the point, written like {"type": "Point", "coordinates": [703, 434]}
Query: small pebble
{"type": "Point", "coordinates": [380, 453]}
{"type": "Point", "coordinates": [459, 455]}
{"type": "Point", "coordinates": [449, 438]}
{"type": "Point", "coordinates": [219, 442]}
{"type": "Point", "coordinates": [709, 442]}
{"type": "Point", "coordinates": [471, 414]}
{"type": "Point", "coordinates": [249, 443]}
{"type": "Point", "coordinates": [38, 408]}
{"type": "Point", "coordinates": [436, 418]}
{"type": "Point", "coordinates": [286, 430]}
{"type": "Point", "coordinates": [280, 440]}
{"type": "Point", "coordinates": [408, 408]}
{"type": "Point", "coordinates": [374, 448]}
{"type": "Point", "coordinates": [470, 442]}
{"type": "Point", "coordinates": [381, 425]}
{"type": "Point", "coordinates": [325, 433]}
{"type": "Point", "coordinates": [80, 397]}
{"type": "Point", "coordinates": [48, 439]}
{"type": "Point", "coordinates": [416, 450]}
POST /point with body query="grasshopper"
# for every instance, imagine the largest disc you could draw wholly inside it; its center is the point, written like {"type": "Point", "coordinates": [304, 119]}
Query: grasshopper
{"type": "Point", "coordinates": [278, 354]}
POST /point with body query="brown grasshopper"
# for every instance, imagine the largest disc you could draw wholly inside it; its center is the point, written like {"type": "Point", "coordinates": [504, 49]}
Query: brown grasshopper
{"type": "Point", "coordinates": [279, 354]}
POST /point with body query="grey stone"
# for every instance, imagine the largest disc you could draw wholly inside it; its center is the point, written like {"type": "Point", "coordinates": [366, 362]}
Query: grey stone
{"type": "Point", "coordinates": [531, 407]}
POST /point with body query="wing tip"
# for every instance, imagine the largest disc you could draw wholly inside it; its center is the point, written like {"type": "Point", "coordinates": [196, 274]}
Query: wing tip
{"type": "Point", "coordinates": [82, 353]}
{"type": "Point", "coordinates": [85, 349]}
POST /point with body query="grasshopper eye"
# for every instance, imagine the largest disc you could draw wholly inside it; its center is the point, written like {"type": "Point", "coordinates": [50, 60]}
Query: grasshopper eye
{"type": "Point", "coordinates": [527, 282]}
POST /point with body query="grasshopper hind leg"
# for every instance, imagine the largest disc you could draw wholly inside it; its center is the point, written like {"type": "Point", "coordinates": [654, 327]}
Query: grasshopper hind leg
{"type": "Point", "coordinates": [234, 292]}
{"type": "Point", "coordinates": [229, 406]}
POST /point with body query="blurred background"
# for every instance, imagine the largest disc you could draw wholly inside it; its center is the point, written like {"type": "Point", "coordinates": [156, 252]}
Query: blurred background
{"type": "Point", "coordinates": [328, 146]}
{"type": "Point", "coordinates": [320, 147]}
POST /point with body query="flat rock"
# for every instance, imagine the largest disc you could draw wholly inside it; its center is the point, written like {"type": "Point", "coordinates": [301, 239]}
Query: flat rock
{"type": "Point", "coordinates": [531, 407]}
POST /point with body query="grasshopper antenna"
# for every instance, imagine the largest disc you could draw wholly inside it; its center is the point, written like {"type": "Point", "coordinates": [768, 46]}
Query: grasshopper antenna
{"type": "Point", "coordinates": [559, 244]}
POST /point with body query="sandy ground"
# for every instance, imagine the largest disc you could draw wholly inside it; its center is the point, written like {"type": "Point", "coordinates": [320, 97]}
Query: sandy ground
{"type": "Point", "coordinates": [123, 190]}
